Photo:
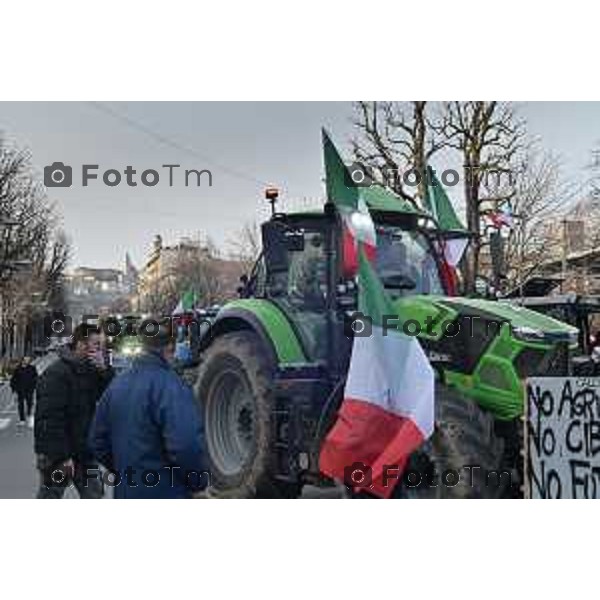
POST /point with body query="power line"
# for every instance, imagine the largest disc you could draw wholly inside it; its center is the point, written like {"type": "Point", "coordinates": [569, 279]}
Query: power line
{"type": "Point", "coordinates": [163, 139]}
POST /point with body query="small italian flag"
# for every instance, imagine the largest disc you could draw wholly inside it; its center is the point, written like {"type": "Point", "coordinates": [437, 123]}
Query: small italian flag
{"type": "Point", "coordinates": [388, 406]}
{"type": "Point", "coordinates": [455, 238]}
{"type": "Point", "coordinates": [358, 227]}
{"type": "Point", "coordinates": [186, 303]}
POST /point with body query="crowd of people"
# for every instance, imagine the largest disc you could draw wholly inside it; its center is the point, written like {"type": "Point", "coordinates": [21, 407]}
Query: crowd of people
{"type": "Point", "coordinates": [139, 432]}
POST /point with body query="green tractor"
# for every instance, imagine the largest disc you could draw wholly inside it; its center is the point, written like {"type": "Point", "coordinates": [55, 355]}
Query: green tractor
{"type": "Point", "coordinates": [272, 370]}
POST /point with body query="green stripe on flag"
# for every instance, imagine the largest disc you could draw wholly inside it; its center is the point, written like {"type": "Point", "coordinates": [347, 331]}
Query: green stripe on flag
{"type": "Point", "coordinates": [188, 300]}
{"type": "Point", "coordinates": [336, 177]}
{"type": "Point", "coordinates": [436, 201]}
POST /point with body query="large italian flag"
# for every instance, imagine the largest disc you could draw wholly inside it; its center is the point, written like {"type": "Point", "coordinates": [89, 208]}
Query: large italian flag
{"type": "Point", "coordinates": [388, 406]}
{"type": "Point", "coordinates": [388, 409]}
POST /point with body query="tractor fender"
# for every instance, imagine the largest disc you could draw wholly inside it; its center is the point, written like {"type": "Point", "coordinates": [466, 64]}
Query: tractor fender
{"type": "Point", "coordinates": [267, 321]}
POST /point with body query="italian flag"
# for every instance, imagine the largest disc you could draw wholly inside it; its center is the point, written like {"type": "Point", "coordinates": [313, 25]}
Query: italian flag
{"type": "Point", "coordinates": [185, 304]}
{"type": "Point", "coordinates": [388, 410]}
{"type": "Point", "coordinates": [388, 406]}
{"type": "Point", "coordinates": [455, 236]}
{"type": "Point", "coordinates": [358, 227]}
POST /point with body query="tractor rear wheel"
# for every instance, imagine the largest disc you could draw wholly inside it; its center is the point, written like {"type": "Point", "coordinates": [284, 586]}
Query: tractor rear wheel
{"type": "Point", "coordinates": [462, 459]}
{"type": "Point", "coordinates": [234, 389]}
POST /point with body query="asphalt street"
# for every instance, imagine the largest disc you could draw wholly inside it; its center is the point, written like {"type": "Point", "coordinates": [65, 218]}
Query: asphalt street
{"type": "Point", "coordinates": [18, 476]}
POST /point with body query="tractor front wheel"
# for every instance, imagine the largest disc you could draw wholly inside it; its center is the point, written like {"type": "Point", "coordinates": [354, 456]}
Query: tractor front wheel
{"type": "Point", "coordinates": [234, 389]}
{"type": "Point", "coordinates": [462, 459]}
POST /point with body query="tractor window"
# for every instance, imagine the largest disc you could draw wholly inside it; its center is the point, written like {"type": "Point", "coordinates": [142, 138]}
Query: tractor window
{"type": "Point", "coordinates": [405, 262]}
{"type": "Point", "coordinates": [301, 291]}
{"type": "Point", "coordinates": [307, 276]}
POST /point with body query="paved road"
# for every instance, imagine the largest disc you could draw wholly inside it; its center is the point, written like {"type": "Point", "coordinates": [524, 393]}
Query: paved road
{"type": "Point", "coordinates": [18, 476]}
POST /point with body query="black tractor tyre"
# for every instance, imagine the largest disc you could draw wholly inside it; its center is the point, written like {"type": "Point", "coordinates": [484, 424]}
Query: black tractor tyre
{"type": "Point", "coordinates": [462, 459]}
{"type": "Point", "coordinates": [234, 390]}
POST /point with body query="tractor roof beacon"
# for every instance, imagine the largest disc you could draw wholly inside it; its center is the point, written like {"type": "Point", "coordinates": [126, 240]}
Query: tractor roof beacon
{"type": "Point", "coordinates": [272, 372]}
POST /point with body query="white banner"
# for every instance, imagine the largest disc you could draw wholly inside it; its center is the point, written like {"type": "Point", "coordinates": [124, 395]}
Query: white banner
{"type": "Point", "coordinates": [562, 438]}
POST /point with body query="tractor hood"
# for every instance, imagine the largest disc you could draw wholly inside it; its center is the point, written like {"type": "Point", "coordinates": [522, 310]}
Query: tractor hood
{"type": "Point", "coordinates": [521, 319]}
{"type": "Point", "coordinates": [525, 324]}
{"type": "Point", "coordinates": [486, 349]}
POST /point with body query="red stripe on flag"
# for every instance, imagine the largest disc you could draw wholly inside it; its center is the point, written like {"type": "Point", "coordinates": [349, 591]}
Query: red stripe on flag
{"type": "Point", "coordinates": [449, 278]}
{"type": "Point", "coordinates": [366, 433]}
{"type": "Point", "coordinates": [370, 252]}
{"type": "Point", "coordinates": [350, 253]}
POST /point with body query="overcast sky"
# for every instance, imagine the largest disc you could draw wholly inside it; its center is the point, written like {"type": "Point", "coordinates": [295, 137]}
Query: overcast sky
{"type": "Point", "coordinates": [245, 145]}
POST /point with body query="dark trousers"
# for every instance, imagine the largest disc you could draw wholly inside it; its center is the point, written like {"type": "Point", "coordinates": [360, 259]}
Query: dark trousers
{"type": "Point", "coordinates": [54, 482]}
{"type": "Point", "coordinates": [25, 399]}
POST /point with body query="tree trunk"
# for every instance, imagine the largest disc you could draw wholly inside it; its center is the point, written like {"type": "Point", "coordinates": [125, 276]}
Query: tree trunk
{"type": "Point", "coordinates": [471, 260]}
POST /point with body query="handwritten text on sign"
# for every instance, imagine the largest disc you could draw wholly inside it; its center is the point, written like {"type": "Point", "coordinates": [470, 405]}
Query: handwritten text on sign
{"type": "Point", "coordinates": [563, 437]}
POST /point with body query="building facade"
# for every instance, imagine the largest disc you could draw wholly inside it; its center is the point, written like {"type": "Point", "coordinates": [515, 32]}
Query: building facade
{"type": "Point", "coordinates": [92, 291]}
{"type": "Point", "coordinates": [187, 265]}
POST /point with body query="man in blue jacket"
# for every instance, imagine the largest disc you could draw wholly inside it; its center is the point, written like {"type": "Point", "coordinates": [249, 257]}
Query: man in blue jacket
{"type": "Point", "coordinates": [147, 430]}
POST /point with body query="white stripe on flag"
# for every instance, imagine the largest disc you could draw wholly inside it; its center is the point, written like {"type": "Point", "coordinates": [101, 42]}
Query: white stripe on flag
{"type": "Point", "coordinates": [393, 373]}
{"type": "Point", "coordinates": [454, 249]}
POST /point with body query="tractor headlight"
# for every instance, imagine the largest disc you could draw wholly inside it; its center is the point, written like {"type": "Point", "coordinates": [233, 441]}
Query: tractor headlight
{"type": "Point", "coordinates": [127, 351]}
{"type": "Point", "coordinates": [528, 334]}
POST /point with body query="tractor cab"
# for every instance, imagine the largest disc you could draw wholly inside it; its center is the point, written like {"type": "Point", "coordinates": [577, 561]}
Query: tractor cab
{"type": "Point", "coordinates": [309, 264]}
{"type": "Point", "coordinates": [301, 250]}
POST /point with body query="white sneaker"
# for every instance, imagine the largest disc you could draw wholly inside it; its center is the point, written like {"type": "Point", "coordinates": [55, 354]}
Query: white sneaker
{"type": "Point", "coordinates": [30, 422]}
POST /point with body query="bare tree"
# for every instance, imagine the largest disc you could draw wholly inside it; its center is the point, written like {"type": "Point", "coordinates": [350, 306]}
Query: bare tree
{"type": "Point", "coordinates": [54, 268]}
{"type": "Point", "coordinates": [33, 254]}
{"type": "Point", "coordinates": [488, 136]}
{"type": "Point", "coordinates": [197, 272]}
{"type": "Point", "coordinates": [159, 298]}
{"type": "Point", "coordinates": [540, 197]}
{"type": "Point", "coordinates": [190, 268]}
{"type": "Point", "coordinates": [397, 140]}
{"type": "Point", "coordinates": [588, 206]}
{"type": "Point", "coordinates": [22, 203]}
{"type": "Point", "coordinates": [246, 245]}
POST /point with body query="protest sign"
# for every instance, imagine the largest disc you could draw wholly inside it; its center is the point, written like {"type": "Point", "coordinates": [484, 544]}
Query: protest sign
{"type": "Point", "coordinates": [562, 437]}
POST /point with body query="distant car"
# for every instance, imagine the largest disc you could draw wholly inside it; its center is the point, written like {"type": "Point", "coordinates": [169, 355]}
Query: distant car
{"type": "Point", "coordinates": [123, 351]}
{"type": "Point", "coordinates": [120, 363]}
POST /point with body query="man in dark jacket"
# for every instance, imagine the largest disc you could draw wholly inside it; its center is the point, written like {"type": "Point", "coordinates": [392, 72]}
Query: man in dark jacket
{"type": "Point", "coordinates": [148, 431]}
{"type": "Point", "coordinates": [23, 384]}
{"type": "Point", "coordinates": [67, 395]}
